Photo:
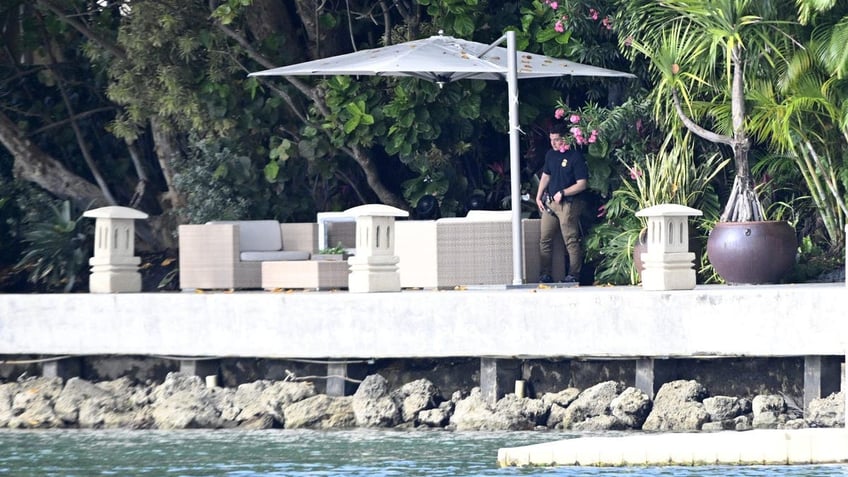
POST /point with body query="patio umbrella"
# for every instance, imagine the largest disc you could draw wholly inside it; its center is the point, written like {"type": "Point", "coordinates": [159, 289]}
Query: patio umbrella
{"type": "Point", "coordinates": [445, 59]}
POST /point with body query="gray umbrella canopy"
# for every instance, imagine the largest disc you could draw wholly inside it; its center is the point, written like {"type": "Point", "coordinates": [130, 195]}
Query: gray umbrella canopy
{"type": "Point", "coordinates": [444, 59]}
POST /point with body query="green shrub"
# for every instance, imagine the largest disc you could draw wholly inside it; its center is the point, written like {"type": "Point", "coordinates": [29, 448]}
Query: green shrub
{"type": "Point", "coordinates": [215, 182]}
{"type": "Point", "coordinates": [58, 244]}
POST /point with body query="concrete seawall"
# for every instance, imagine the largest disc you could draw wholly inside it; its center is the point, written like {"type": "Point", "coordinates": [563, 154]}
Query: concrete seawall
{"type": "Point", "coordinates": [491, 324]}
{"type": "Point", "coordinates": [779, 320]}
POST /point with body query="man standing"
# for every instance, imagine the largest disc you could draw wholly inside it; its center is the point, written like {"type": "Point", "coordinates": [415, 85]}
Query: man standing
{"type": "Point", "coordinates": [564, 177]}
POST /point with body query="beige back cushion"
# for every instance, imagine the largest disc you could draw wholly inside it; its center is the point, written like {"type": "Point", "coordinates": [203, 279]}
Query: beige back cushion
{"type": "Point", "coordinates": [257, 235]}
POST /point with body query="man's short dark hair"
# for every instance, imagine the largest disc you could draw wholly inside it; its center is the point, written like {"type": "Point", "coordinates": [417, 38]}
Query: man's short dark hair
{"type": "Point", "coordinates": [557, 128]}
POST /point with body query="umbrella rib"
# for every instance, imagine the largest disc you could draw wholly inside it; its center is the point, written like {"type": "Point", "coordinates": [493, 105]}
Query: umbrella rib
{"type": "Point", "coordinates": [459, 76]}
{"type": "Point", "coordinates": [492, 46]}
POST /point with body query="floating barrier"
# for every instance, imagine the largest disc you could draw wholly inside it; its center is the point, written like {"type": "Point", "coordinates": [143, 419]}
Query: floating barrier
{"type": "Point", "coordinates": [756, 447]}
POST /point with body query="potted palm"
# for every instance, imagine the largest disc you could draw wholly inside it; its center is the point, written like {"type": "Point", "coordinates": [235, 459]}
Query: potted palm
{"type": "Point", "coordinates": [699, 53]}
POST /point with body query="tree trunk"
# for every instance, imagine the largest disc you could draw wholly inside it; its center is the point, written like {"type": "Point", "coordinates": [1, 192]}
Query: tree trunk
{"type": "Point", "coordinates": [322, 42]}
{"type": "Point", "coordinates": [34, 165]}
{"type": "Point", "coordinates": [167, 150]}
{"type": "Point", "coordinates": [740, 143]}
{"type": "Point", "coordinates": [743, 205]}
{"type": "Point", "coordinates": [266, 18]}
{"type": "Point", "coordinates": [384, 194]}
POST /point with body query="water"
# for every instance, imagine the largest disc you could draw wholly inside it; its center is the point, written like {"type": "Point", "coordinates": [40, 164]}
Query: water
{"type": "Point", "coordinates": [372, 453]}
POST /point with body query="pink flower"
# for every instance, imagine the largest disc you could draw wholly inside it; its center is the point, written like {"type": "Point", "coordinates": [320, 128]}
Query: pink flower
{"type": "Point", "coordinates": [554, 5]}
{"type": "Point", "coordinates": [558, 27]}
{"type": "Point", "coordinates": [628, 41]}
{"type": "Point", "coordinates": [594, 136]}
{"type": "Point", "coordinates": [593, 13]}
{"type": "Point", "coordinates": [559, 113]}
{"type": "Point", "coordinates": [564, 148]}
{"type": "Point", "coordinates": [635, 172]}
{"type": "Point", "coordinates": [574, 118]}
{"type": "Point", "coordinates": [607, 22]}
{"type": "Point", "coordinates": [578, 136]}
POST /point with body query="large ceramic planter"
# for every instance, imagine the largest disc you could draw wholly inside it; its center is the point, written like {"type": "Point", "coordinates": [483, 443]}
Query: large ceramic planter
{"type": "Point", "coordinates": [640, 247]}
{"type": "Point", "coordinates": [752, 252]}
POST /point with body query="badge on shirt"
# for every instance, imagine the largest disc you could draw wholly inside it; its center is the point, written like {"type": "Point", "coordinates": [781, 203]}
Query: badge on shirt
{"type": "Point", "coordinates": [564, 162]}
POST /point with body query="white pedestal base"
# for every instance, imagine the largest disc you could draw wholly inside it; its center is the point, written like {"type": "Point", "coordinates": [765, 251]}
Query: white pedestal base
{"type": "Point", "coordinates": [668, 271]}
{"type": "Point", "coordinates": [373, 274]}
{"type": "Point", "coordinates": [114, 277]}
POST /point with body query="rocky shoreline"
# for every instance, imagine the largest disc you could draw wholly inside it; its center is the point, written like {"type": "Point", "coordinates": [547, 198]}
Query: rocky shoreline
{"type": "Point", "coordinates": [184, 401]}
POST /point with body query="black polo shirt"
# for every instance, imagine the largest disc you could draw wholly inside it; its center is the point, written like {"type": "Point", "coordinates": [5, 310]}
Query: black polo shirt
{"type": "Point", "coordinates": [564, 169]}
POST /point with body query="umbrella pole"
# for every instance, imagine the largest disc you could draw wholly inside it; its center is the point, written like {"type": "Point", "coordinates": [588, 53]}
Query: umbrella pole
{"type": "Point", "coordinates": [514, 161]}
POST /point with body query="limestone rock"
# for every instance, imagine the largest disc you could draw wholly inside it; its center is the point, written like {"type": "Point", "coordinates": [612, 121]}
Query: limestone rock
{"type": "Point", "coordinates": [678, 407]}
{"type": "Point", "coordinates": [631, 408]}
{"type": "Point", "coordinates": [522, 413]}
{"type": "Point", "coordinates": [562, 398]}
{"type": "Point", "coordinates": [555, 416]}
{"type": "Point", "coordinates": [722, 408]}
{"type": "Point", "coordinates": [827, 412]}
{"type": "Point", "coordinates": [258, 422]}
{"type": "Point", "coordinates": [509, 414]}
{"type": "Point", "coordinates": [437, 417]}
{"type": "Point", "coordinates": [713, 426]}
{"type": "Point", "coordinates": [414, 397]}
{"type": "Point", "coordinates": [126, 407]}
{"type": "Point", "coordinates": [795, 424]}
{"type": "Point", "coordinates": [225, 402]}
{"type": "Point", "coordinates": [183, 402]}
{"type": "Point", "coordinates": [321, 412]}
{"type": "Point", "coordinates": [254, 409]}
{"type": "Point", "coordinates": [768, 411]}
{"type": "Point", "coordinates": [32, 406]}
{"type": "Point", "coordinates": [594, 401]}
{"type": "Point", "coordinates": [177, 382]}
{"type": "Point", "coordinates": [372, 405]}
{"type": "Point", "coordinates": [75, 392]}
{"type": "Point", "coordinates": [599, 423]}
{"type": "Point", "coordinates": [742, 423]}
{"type": "Point", "coordinates": [7, 394]}
{"type": "Point", "coordinates": [473, 413]}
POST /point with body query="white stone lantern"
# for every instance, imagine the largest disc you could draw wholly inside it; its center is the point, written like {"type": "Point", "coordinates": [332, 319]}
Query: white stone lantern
{"type": "Point", "coordinates": [114, 268]}
{"type": "Point", "coordinates": [668, 263]}
{"type": "Point", "coordinates": [374, 266]}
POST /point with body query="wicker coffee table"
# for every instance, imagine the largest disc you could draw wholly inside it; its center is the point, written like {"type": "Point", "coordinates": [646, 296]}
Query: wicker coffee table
{"type": "Point", "coordinates": [306, 274]}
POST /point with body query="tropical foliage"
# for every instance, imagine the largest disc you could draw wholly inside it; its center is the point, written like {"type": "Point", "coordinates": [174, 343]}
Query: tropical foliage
{"type": "Point", "coordinates": [706, 58]}
{"type": "Point", "coordinates": [58, 244]}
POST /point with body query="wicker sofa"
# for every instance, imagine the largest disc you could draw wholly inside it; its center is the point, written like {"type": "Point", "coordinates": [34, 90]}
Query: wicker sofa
{"type": "Point", "coordinates": [467, 251]}
{"type": "Point", "coordinates": [224, 255]}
